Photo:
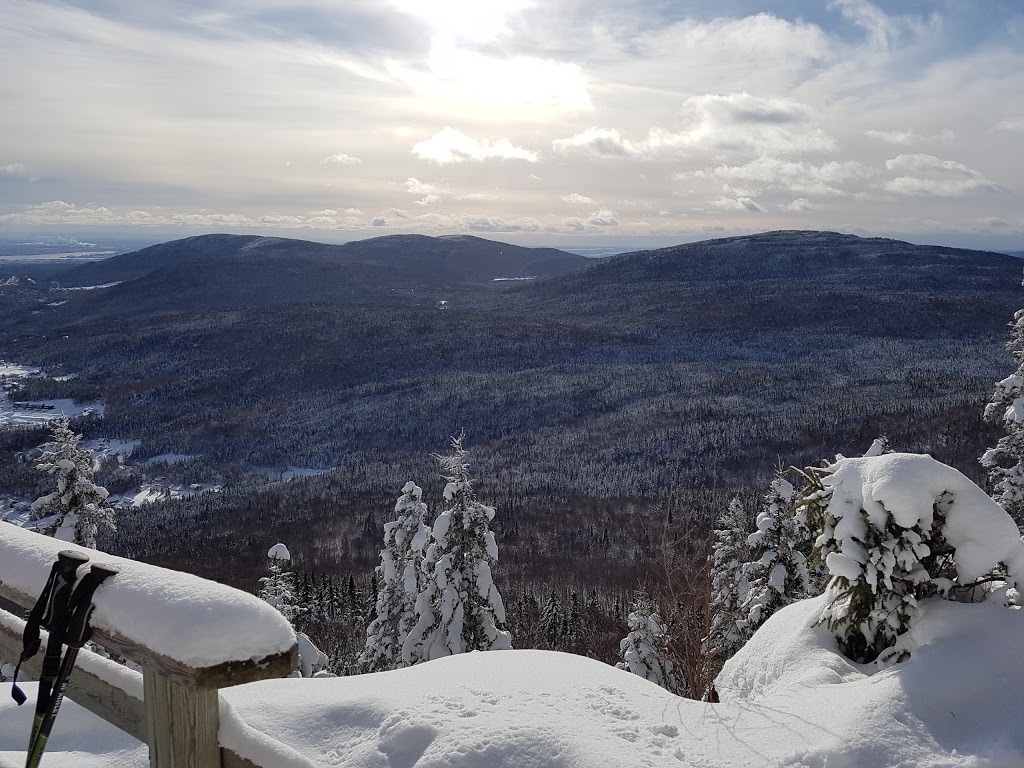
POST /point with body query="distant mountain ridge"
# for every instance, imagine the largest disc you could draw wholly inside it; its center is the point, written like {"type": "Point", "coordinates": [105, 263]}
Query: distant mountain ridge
{"type": "Point", "coordinates": [450, 257]}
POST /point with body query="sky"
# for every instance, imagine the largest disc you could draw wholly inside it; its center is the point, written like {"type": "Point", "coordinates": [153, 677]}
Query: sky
{"type": "Point", "coordinates": [590, 122]}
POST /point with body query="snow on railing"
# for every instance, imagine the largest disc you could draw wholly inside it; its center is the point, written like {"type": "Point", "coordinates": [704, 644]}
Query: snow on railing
{"type": "Point", "coordinates": [191, 637]}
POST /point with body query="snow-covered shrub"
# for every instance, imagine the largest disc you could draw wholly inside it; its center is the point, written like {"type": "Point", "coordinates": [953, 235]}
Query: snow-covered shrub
{"type": "Point", "coordinates": [75, 511]}
{"type": "Point", "coordinates": [1005, 461]}
{"type": "Point", "coordinates": [897, 528]}
{"type": "Point", "coordinates": [777, 573]}
{"type": "Point", "coordinates": [399, 581]}
{"type": "Point", "coordinates": [644, 651]}
{"type": "Point", "coordinates": [459, 608]}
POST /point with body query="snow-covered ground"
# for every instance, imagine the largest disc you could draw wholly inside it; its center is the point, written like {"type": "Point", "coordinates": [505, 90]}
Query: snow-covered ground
{"type": "Point", "coordinates": [16, 413]}
{"type": "Point", "coordinates": [789, 699]}
{"type": "Point", "coordinates": [107, 448]}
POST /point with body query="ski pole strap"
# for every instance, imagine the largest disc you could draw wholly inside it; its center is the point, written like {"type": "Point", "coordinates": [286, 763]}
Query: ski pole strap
{"type": "Point", "coordinates": [51, 604]}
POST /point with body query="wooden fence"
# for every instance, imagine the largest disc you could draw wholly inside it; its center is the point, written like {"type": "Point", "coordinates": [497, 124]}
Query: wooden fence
{"type": "Point", "coordinates": [178, 715]}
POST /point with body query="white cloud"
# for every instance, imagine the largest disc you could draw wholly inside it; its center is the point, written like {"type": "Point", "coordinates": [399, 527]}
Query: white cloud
{"type": "Point", "coordinates": [599, 141]}
{"type": "Point", "coordinates": [340, 158]}
{"type": "Point", "coordinates": [928, 176]}
{"type": "Point", "coordinates": [882, 29]}
{"type": "Point", "coordinates": [13, 169]}
{"type": "Point", "coordinates": [378, 221]}
{"type": "Point", "coordinates": [712, 122]}
{"type": "Point", "coordinates": [592, 223]}
{"type": "Point", "coordinates": [894, 137]}
{"type": "Point", "coordinates": [577, 199]}
{"type": "Point", "coordinates": [798, 205]}
{"type": "Point", "coordinates": [737, 204]}
{"type": "Point", "coordinates": [794, 176]}
{"type": "Point", "coordinates": [453, 146]}
{"type": "Point", "coordinates": [60, 213]}
{"type": "Point", "coordinates": [1012, 125]}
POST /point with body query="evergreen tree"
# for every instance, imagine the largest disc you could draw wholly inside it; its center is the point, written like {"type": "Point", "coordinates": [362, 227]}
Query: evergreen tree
{"type": "Point", "coordinates": [281, 589]}
{"type": "Point", "coordinates": [731, 553]}
{"type": "Point", "coordinates": [776, 575]}
{"type": "Point", "coordinates": [551, 623]}
{"type": "Point", "coordinates": [400, 581]}
{"type": "Point", "coordinates": [75, 511]}
{"type": "Point", "coordinates": [278, 587]}
{"type": "Point", "coordinates": [459, 608]}
{"type": "Point", "coordinates": [1005, 461]}
{"type": "Point", "coordinates": [644, 651]}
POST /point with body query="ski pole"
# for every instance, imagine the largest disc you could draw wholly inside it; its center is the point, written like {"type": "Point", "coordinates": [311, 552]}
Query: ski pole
{"type": "Point", "coordinates": [50, 611]}
{"type": "Point", "coordinates": [76, 634]}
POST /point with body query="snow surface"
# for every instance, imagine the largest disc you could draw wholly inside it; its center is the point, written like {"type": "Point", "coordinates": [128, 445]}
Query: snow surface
{"type": "Point", "coordinates": [789, 699]}
{"type": "Point", "coordinates": [12, 415]}
{"type": "Point", "coordinates": [153, 606]}
{"type": "Point", "coordinates": [279, 552]}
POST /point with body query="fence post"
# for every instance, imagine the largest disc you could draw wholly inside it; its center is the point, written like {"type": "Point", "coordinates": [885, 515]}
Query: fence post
{"type": "Point", "coordinates": [182, 722]}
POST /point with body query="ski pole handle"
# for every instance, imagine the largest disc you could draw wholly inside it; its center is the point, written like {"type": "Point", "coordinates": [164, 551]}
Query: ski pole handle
{"type": "Point", "coordinates": [79, 631]}
{"type": "Point", "coordinates": [64, 570]}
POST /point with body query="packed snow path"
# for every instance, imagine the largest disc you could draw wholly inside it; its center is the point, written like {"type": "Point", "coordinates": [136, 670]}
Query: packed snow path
{"type": "Point", "coordinates": [789, 699]}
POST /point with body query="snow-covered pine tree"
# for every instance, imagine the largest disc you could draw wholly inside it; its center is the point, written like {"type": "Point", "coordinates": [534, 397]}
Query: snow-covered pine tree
{"type": "Point", "coordinates": [644, 651]}
{"type": "Point", "coordinates": [551, 622]}
{"type": "Point", "coordinates": [899, 528]}
{"type": "Point", "coordinates": [278, 587]}
{"type": "Point", "coordinates": [400, 580]}
{"type": "Point", "coordinates": [459, 608]}
{"type": "Point", "coordinates": [1005, 461]}
{"type": "Point", "coordinates": [731, 554]}
{"type": "Point", "coordinates": [75, 511]}
{"type": "Point", "coordinates": [776, 575]}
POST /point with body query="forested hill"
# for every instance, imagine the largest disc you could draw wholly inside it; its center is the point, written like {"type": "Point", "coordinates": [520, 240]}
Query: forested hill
{"type": "Point", "coordinates": [799, 279]}
{"type": "Point", "coordinates": [419, 257]}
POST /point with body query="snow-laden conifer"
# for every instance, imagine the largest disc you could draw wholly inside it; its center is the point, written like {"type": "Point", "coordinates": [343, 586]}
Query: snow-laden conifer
{"type": "Point", "coordinates": [74, 511]}
{"type": "Point", "coordinates": [400, 579]}
{"type": "Point", "coordinates": [1005, 461]}
{"type": "Point", "coordinates": [278, 587]}
{"type": "Point", "coordinates": [898, 528]}
{"type": "Point", "coordinates": [776, 575]}
{"type": "Point", "coordinates": [459, 608]}
{"type": "Point", "coordinates": [644, 651]}
{"type": "Point", "coordinates": [730, 556]}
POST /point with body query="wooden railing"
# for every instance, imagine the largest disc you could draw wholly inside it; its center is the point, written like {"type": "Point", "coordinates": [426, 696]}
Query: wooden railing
{"type": "Point", "coordinates": [172, 707]}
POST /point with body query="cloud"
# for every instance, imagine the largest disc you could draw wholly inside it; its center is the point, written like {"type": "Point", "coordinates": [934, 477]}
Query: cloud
{"type": "Point", "coordinates": [378, 221]}
{"type": "Point", "coordinates": [894, 137]}
{"type": "Point", "coordinates": [592, 223]}
{"type": "Point", "coordinates": [61, 213]}
{"type": "Point", "coordinates": [453, 146]}
{"type": "Point", "coordinates": [798, 205]}
{"type": "Point", "coordinates": [13, 169]}
{"type": "Point", "coordinates": [741, 121]}
{"type": "Point", "coordinates": [340, 158]}
{"type": "Point", "coordinates": [578, 199]}
{"type": "Point", "coordinates": [737, 204]}
{"type": "Point", "coordinates": [1012, 125]}
{"type": "Point", "coordinates": [794, 176]}
{"type": "Point", "coordinates": [928, 176]}
{"type": "Point", "coordinates": [474, 223]}
{"type": "Point", "coordinates": [599, 141]}
{"type": "Point", "coordinates": [431, 193]}
{"type": "Point", "coordinates": [715, 123]}
{"type": "Point", "coordinates": [882, 29]}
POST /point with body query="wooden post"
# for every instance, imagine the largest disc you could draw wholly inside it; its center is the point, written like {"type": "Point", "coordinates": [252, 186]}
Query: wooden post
{"type": "Point", "coordinates": [182, 722]}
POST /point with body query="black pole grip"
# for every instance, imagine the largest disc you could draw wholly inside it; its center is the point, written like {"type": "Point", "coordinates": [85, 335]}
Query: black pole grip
{"type": "Point", "coordinates": [79, 631]}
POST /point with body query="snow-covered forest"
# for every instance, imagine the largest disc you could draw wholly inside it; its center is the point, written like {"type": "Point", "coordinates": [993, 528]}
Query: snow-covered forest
{"type": "Point", "coordinates": [701, 537]}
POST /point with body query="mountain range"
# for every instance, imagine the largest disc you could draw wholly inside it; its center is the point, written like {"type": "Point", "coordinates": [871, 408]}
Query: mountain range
{"type": "Point", "coordinates": [645, 375]}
